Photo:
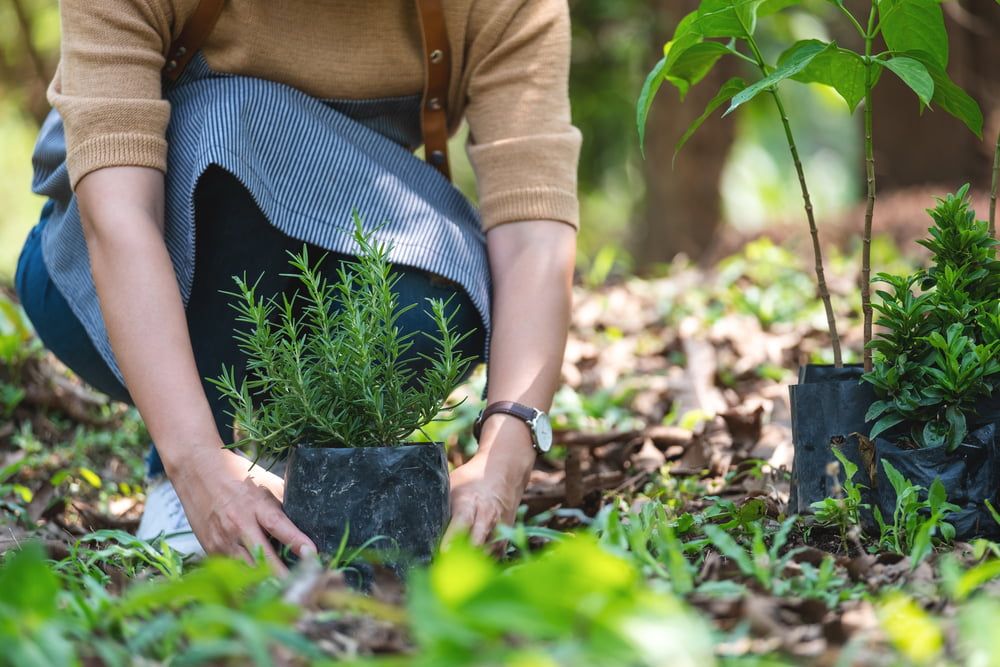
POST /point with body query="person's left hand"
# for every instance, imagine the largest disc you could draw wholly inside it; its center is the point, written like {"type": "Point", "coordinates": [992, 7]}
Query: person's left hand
{"type": "Point", "coordinates": [487, 490]}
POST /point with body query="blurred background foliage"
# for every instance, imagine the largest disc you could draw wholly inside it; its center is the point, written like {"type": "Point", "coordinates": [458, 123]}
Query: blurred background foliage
{"type": "Point", "coordinates": [733, 181]}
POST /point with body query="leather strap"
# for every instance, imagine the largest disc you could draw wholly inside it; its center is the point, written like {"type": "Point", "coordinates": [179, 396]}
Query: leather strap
{"type": "Point", "coordinates": [522, 412]}
{"type": "Point", "coordinates": [437, 69]}
{"type": "Point", "coordinates": [196, 31]}
{"type": "Point", "coordinates": [437, 75]}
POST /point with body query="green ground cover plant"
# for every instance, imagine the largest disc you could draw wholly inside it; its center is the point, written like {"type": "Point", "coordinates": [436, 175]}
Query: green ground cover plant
{"type": "Point", "coordinates": [684, 569]}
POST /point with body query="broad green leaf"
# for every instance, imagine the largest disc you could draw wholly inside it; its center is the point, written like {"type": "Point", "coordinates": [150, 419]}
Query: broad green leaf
{"type": "Point", "coordinates": [899, 483]}
{"type": "Point", "coordinates": [729, 548]}
{"type": "Point", "coordinates": [850, 468]}
{"type": "Point", "coordinates": [794, 63]}
{"type": "Point", "coordinates": [958, 427]}
{"type": "Point", "coordinates": [910, 629]}
{"type": "Point", "coordinates": [884, 424]}
{"type": "Point", "coordinates": [913, 74]}
{"type": "Point", "coordinates": [975, 577]}
{"type": "Point", "coordinates": [915, 25]}
{"type": "Point", "coordinates": [649, 90]}
{"type": "Point", "coordinates": [936, 495]}
{"type": "Point", "coordinates": [955, 101]}
{"type": "Point", "coordinates": [727, 18]}
{"type": "Point", "coordinates": [877, 409]}
{"type": "Point", "coordinates": [949, 96]}
{"type": "Point", "coordinates": [693, 64]}
{"type": "Point", "coordinates": [842, 70]}
{"type": "Point", "coordinates": [728, 89]}
{"type": "Point", "coordinates": [934, 435]}
{"type": "Point", "coordinates": [28, 585]}
{"type": "Point", "coordinates": [769, 7]}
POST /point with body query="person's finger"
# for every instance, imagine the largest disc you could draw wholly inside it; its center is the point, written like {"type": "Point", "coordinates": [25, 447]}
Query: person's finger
{"type": "Point", "coordinates": [277, 524]}
{"type": "Point", "coordinates": [255, 542]}
{"type": "Point", "coordinates": [463, 516]}
{"type": "Point", "coordinates": [499, 548]}
{"type": "Point", "coordinates": [482, 528]}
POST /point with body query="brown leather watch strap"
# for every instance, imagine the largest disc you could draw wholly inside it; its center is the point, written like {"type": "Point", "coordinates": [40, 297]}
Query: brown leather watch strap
{"type": "Point", "coordinates": [437, 76]}
{"type": "Point", "coordinates": [522, 412]}
{"type": "Point", "coordinates": [196, 31]}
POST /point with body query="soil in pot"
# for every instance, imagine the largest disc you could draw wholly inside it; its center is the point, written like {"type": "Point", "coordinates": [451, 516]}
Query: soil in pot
{"type": "Point", "coordinates": [827, 406]}
{"type": "Point", "coordinates": [395, 500]}
{"type": "Point", "coordinates": [969, 473]}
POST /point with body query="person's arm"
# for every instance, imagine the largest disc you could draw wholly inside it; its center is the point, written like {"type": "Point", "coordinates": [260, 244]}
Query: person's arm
{"type": "Point", "coordinates": [524, 150]}
{"type": "Point", "coordinates": [229, 508]}
{"type": "Point", "coordinates": [108, 92]}
{"type": "Point", "coordinates": [532, 265]}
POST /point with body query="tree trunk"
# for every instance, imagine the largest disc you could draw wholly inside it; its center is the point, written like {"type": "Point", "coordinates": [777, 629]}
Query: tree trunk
{"type": "Point", "coordinates": [682, 212]}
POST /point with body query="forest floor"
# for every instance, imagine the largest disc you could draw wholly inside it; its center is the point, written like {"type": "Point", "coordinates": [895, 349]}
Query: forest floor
{"type": "Point", "coordinates": [656, 533]}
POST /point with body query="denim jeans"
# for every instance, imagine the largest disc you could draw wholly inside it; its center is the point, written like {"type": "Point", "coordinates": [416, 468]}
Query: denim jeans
{"type": "Point", "coordinates": [233, 238]}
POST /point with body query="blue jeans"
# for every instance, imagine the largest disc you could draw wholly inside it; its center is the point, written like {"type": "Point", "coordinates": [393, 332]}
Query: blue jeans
{"type": "Point", "coordinates": [232, 238]}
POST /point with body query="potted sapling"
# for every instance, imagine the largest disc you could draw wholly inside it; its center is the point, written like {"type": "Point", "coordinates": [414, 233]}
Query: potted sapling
{"type": "Point", "coordinates": [935, 369]}
{"type": "Point", "coordinates": [333, 387]}
{"type": "Point", "coordinates": [830, 402]}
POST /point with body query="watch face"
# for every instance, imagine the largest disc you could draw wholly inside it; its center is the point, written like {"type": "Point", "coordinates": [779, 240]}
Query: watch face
{"type": "Point", "coordinates": [543, 432]}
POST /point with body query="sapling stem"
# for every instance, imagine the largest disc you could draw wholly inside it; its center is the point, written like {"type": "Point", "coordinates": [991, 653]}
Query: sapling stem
{"type": "Point", "coordinates": [866, 239]}
{"type": "Point", "coordinates": [822, 289]}
{"type": "Point", "coordinates": [993, 189]}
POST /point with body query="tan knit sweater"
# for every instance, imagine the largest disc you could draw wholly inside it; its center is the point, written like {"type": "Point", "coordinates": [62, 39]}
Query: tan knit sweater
{"type": "Point", "coordinates": [509, 79]}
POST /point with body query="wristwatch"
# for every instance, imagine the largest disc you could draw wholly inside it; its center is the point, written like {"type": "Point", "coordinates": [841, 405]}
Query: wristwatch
{"type": "Point", "coordinates": [537, 421]}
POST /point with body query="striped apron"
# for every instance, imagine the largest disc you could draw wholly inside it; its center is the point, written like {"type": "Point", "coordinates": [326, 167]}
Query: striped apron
{"type": "Point", "coordinates": [308, 163]}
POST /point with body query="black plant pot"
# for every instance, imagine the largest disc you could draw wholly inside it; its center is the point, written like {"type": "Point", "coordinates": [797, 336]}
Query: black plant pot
{"type": "Point", "coordinates": [970, 475]}
{"type": "Point", "coordinates": [827, 406]}
{"type": "Point", "coordinates": [396, 496]}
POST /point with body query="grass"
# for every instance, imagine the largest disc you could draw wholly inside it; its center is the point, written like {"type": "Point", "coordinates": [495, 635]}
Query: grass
{"type": "Point", "coordinates": [685, 567]}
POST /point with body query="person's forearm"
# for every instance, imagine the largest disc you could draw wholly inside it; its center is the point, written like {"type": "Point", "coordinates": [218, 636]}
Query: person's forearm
{"type": "Point", "coordinates": [122, 212]}
{"type": "Point", "coordinates": [532, 267]}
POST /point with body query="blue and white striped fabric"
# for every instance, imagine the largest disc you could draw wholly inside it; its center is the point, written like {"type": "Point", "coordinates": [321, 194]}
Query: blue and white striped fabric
{"type": "Point", "coordinates": [308, 163]}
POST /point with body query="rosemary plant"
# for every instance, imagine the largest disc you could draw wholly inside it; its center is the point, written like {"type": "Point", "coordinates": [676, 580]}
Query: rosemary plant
{"type": "Point", "coordinates": [329, 367]}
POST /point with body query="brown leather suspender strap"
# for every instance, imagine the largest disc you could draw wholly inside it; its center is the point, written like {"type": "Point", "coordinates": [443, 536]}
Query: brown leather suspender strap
{"type": "Point", "coordinates": [197, 29]}
{"type": "Point", "coordinates": [437, 75]}
{"type": "Point", "coordinates": [437, 68]}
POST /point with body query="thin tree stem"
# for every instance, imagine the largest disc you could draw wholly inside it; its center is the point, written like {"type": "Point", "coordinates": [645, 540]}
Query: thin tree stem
{"type": "Point", "coordinates": [993, 189]}
{"type": "Point", "coordinates": [866, 241]}
{"type": "Point", "coordinates": [822, 289]}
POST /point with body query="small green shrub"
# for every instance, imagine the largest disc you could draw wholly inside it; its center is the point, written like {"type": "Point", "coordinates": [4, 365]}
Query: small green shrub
{"type": "Point", "coordinates": [329, 366]}
{"type": "Point", "coordinates": [918, 519]}
{"type": "Point", "coordinates": [843, 511]}
{"type": "Point", "coordinates": [937, 355]}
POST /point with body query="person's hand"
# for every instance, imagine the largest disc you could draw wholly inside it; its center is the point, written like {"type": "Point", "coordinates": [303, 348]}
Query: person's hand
{"type": "Point", "coordinates": [233, 509]}
{"type": "Point", "coordinates": [487, 490]}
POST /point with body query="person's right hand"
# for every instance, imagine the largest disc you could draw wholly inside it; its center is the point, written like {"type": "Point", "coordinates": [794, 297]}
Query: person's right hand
{"type": "Point", "coordinates": [232, 509]}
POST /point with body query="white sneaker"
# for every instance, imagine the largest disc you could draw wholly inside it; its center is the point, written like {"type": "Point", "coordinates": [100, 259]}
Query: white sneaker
{"type": "Point", "coordinates": [164, 518]}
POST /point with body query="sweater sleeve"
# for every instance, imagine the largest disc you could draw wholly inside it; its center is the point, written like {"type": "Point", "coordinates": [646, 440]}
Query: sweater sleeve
{"type": "Point", "coordinates": [522, 144]}
{"type": "Point", "coordinates": [107, 88]}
